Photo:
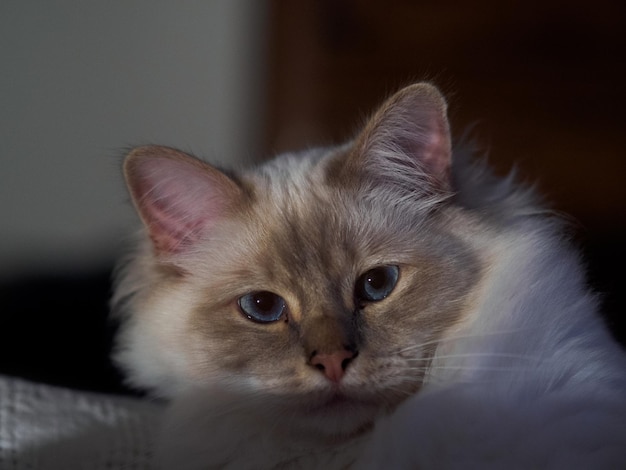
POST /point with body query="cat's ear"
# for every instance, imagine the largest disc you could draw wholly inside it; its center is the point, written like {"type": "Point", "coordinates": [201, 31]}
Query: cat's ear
{"type": "Point", "coordinates": [408, 139]}
{"type": "Point", "coordinates": [177, 196]}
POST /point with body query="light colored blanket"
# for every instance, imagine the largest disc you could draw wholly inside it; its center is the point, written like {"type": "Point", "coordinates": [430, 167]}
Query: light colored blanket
{"type": "Point", "coordinates": [49, 428]}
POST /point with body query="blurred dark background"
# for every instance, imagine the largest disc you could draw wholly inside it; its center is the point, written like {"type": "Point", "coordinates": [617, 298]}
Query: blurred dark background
{"type": "Point", "coordinates": [541, 84]}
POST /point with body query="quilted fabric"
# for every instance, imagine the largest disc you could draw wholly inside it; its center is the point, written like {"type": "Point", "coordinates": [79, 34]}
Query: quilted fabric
{"type": "Point", "coordinates": [48, 428]}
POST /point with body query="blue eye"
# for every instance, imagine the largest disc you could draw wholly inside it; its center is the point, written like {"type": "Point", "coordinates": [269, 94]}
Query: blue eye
{"type": "Point", "coordinates": [263, 306]}
{"type": "Point", "coordinates": [377, 283]}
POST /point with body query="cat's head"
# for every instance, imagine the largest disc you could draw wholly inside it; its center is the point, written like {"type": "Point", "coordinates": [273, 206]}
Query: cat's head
{"type": "Point", "coordinates": [325, 277]}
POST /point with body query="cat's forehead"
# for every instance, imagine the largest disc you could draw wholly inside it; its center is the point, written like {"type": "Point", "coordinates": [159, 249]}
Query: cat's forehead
{"type": "Point", "coordinates": [292, 184]}
{"type": "Point", "coordinates": [292, 176]}
{"type": "Point", "coordinates": [300, 218]}
{"type": "Point", "coordinates": [307, 226]}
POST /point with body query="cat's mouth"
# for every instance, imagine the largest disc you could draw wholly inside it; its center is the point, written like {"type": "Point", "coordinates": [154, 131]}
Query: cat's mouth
{"type": "Point", "coordinates": [342, 414]}
{"type": "Point", "coordinates": [341, 402]}
{"type": "Point", "coordinates": [337, 400]}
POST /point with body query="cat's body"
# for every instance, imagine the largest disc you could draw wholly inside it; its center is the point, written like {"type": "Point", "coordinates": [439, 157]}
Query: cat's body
{"type": "Point", "coordinates": [376, 305]}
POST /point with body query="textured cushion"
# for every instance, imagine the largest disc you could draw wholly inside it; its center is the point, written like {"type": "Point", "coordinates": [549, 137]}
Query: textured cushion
{"type": "Point", "coordinates": [45, 427]}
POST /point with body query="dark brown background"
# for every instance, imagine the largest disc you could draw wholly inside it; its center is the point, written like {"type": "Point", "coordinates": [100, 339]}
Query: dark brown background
{"type": "Point", "coordinates": [544, 83]}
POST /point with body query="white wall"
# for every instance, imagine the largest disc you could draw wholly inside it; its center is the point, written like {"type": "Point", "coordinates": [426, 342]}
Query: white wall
{"type": "Point", "coordinates": [80, 82]}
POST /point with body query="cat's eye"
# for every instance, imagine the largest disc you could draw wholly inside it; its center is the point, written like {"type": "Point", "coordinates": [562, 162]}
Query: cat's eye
{"type": "Point", "coordinates": [263, 306]}
{"type": "Point", "coordinates": [377, 283]}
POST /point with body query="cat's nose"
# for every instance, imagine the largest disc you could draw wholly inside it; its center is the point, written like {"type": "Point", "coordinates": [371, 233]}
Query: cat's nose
{"type": "Point", "coordinates": [333, 365]}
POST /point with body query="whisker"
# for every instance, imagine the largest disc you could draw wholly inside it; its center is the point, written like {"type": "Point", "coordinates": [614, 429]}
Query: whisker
{"type": "Point", "coordinates": [462, 337]}
{"type": "Point", "coordinates": [476, 368]}
{"type": "Point", "coordinates": [429, 359]}
{"type": "Point", "coordinates": [487, 355]}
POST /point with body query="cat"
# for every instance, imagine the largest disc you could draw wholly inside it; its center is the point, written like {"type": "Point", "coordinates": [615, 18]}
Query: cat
{"type": "Point", "coordinates": [385, 303]}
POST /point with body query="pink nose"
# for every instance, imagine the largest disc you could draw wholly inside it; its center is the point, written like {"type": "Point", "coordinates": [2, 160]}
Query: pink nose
{"type": "Point", "coordinates": [333, 365]}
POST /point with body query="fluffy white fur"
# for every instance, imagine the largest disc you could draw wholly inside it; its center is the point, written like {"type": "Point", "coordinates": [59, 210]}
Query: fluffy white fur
{"type": "Point", "coordinates": [529, 377]}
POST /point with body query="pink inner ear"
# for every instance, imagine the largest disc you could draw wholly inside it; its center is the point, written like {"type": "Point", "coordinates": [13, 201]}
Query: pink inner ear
{"type": "Point", "coordinates": [178, 197]}
{"type": "Point", "coordinates": [435, 152]}
{"type": "Point", "coordinates": [414, 123]}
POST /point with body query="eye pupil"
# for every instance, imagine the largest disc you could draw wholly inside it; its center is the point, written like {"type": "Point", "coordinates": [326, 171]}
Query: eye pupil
{"type": "Point", "coordinates": [377, 279]}
{"type": "Point", "coordinates": [265, 301]}
{"type": "Point", "coordinates": [263, 306]}
{"type": "Point", "coordinates": [376, 284]}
